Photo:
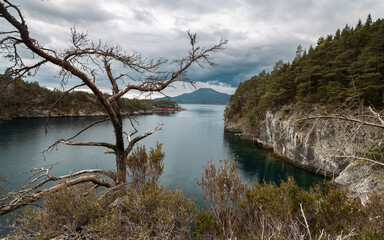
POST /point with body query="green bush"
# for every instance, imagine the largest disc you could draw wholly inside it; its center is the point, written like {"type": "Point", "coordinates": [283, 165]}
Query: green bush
{"type": "Point", "coordinates": [151, 213]}
{"type": "Point", "coordinates": [240, 211]}
{"type": "Point", "coordinates": [235, 210]}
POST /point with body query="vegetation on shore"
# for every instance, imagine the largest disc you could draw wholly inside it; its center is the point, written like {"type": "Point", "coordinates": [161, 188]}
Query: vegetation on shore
{"type": "Point", "coordinates": [341, 78]}
{"type": "Point", "coordinates": [21, 98]}
{"type": "Point", "coordinates": [235, 210]}
{"type": "Point", "coordinates": [141, 209]}
{"type": "Point", "coordinates": [342, 69]}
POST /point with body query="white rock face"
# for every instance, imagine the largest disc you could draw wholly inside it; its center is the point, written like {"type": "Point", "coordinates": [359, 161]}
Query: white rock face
{"type": "Point", "coordinates": [319, 145]}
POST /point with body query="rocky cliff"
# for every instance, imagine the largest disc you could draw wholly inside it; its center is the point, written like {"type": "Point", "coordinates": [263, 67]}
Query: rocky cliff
{"type": "Point", "coordinates": [320, 145]}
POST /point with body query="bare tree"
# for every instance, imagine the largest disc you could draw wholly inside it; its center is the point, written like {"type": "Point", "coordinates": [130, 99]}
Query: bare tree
{"type": "Point", "coordinates": [86, 61]}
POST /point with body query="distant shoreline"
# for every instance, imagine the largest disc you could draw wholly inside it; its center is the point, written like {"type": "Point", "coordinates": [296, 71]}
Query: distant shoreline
{"type": "Point", "coordinates": [98, 114]}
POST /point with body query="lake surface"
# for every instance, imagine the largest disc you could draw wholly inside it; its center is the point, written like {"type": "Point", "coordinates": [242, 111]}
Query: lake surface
{"type": "Point", "coordinates": [190, 139]}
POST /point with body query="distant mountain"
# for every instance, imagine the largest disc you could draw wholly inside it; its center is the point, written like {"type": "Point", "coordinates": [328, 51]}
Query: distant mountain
{"type": "Point", "coordinates": [201, 96]}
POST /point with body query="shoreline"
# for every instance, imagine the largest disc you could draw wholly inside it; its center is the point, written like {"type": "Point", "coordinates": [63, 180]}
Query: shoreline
{"type": "Point", "coordinates": [99, 114]}
{"type": "Point", "coordinates": [260, 144]}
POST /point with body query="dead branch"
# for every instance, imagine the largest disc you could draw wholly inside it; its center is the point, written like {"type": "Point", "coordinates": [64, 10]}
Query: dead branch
{"type": "Point", "coordinates": [305, 220]}
{"type": "Point", "coordinates": [90, 144]}
{"type": "Point", "coordinates": [25, 70]}
{"type": "Point", "coordinates": [27, 195]}
{"type": "Point", "coordinates": [68, 140]}
{"type": "Point", "coordinates": [112, 192]}
{"type": "Point", "coordinates": [362, 158]}
{"type": "Point", "coordinates": [29, 199]}
{"type": "Point", "coordinates": [107, 173]}
{"type": "Point", "coordinates": [56, 102]}
{"type": "Point", "coordinates": [377, 115]}
{"type": "Point", "coordinates": [9, 32]}
{"type": "Point", "coordinates": [138, 138]}
{"type": "Point", "coordinates": [195, 55]}
{"type": "Point", "coordinates": [344, 118]}
{"type": "Point", "coordinates": [44, 173]}
{"type": "Point", "coordinates": [86, 128]}
{"type": "Point", "coordinates": [131, 133]}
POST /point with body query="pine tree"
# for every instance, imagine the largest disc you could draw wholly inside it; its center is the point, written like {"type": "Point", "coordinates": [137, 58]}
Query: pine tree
{"type": "Point", "coordinates": [368, 22]}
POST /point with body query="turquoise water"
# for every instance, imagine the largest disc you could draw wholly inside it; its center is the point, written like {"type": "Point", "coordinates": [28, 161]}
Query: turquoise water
{"type": "Point", "coordinates": [190, 139]}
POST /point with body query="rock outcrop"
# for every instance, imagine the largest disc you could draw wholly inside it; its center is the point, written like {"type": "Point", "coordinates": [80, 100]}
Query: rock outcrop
{"type": "Point", "coordinates": [320, 145]}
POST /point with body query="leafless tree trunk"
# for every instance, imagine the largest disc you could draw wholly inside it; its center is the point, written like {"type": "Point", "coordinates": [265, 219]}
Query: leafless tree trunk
{"type": "Point", "coordinates": [86, 61]}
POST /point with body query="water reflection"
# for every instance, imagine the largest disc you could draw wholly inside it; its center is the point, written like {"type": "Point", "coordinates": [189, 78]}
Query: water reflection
{"type": "Point", "coordinates": [190, 139]}
{"type": "Point", "coordinates": [258, 164]}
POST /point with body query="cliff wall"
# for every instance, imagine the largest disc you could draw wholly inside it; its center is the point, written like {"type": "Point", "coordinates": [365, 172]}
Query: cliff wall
{"type": "Point", "coordinates": [320, 145]}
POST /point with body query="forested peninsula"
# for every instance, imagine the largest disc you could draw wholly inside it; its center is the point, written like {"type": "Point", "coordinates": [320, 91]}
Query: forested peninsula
{"type": "Point", "coordinates": [322, 111]}
{"type": "Point", "coordinates": [28, 99]}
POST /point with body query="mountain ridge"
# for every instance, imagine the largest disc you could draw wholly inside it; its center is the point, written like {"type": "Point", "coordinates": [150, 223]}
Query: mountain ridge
{"type": "Point", "coordinates": [200, 96]}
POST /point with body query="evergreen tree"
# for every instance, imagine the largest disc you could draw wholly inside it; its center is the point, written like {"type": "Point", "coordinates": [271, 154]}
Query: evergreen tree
{"type": "Point", "coordinates": [343, 67]}
{"type": "Point", "coordinates": [368, 22]}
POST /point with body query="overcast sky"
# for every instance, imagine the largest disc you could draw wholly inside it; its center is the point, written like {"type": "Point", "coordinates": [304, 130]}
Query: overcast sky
{"type": "Point", "coordinates": [259, 32]}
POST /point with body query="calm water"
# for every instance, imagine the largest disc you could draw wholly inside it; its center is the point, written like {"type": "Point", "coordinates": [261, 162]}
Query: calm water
{"type": "Point", "coordinates": [190, 139]}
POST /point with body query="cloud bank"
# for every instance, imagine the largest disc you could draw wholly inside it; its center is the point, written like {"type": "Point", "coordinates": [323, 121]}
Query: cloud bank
{"type": "Point", "coordinates": [259, 32]}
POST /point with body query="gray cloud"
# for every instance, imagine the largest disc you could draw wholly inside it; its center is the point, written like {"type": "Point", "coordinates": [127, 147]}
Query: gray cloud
{"type": "Point", "coordinates": [70, 12]}
{"type": "Point", "coordinates": [143, 16]}
{"type": "Point", "coordinates": [259, 32]}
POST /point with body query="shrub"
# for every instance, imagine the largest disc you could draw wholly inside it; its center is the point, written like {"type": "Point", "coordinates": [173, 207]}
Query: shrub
{"type": "Point", "coordinates": [266, 211]}
{"type": "Point", "coordinates": [151, 213]}
{"type": "Point", "coordinates": [143, 210]}
{"type": "Point", "coordinates": [63, 212]}
{"type": "Point", "coordinates": [235, 210]}
{"type": "Point", "coordinates": [143, 168]}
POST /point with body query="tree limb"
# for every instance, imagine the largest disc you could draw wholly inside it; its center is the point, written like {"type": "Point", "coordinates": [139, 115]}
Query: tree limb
{"type": "Point", "coordinates": [94, 144]}
{"type": "Point", "coordinates": [377, 115]}
{"type": "Point", "coordinates": [20, 73]}
{"type": "Point", "coordinates": [138, 138]}
{"type": "Point", "coordinates": [68, 140]}
{"type": "Point", "coordinates": [195, 55]}
{"type": "Point", "coordinates": [362, 158]}
{"type": "Point", "coordinates": [57, 101]}
{"type": "Point", "coordinates": [45, 173]}
{"type": "Point", "coordinates": [344, 118]}
{"type": "Point", "coordinates": [29, 199]}
{"type": "Point", "coordinates": [305, 220]}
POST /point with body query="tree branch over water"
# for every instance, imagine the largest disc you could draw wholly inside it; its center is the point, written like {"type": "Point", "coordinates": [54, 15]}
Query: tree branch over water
{"type": "Point", "coordinates": [88, 62]}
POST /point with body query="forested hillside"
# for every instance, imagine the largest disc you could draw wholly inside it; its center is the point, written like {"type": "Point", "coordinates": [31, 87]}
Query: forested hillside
{"type": "Point", "coordinates": [22, 98]}
{"type": "Point", "coordinates": [346, 67]}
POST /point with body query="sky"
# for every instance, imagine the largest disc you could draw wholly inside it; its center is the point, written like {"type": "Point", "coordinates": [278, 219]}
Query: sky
{"type": "Point", "coordinates": [259, 33]}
